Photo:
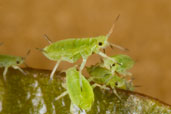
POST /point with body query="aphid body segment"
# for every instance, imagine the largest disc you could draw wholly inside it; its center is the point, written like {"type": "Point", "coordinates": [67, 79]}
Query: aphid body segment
{"type": "Point", "coordinates": [104, 76]}
{"type": "Point", "coordinates": [7, 61]}
{"type": "Point", "coordinates": [123, 64]}
{"type": "Point", "coordinates": [81, 97]}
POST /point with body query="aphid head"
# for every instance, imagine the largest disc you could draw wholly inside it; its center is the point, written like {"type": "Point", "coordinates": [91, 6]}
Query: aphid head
{"type": "Point", "coordinates": [119, 83]}
{"type": "Point", "coordinates": [124, 63]}
{"type": "Point", "coordinates": [102, 42]}
{"type": "Point", "coordinates": [19, 60]}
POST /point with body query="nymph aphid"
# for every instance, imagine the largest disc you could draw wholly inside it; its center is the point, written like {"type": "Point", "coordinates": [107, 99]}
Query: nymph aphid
{"type": "Point", "coordinates": [7, 61]}
{"type": "Point", "coordinates": [83, 97]}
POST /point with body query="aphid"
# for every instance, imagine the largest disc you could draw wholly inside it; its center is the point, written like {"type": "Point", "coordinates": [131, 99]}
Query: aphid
{"type": "Point", "coordinates": [71, 50]}
{"type": "Point", "coordinates": [123, 64]}
{"type": "Point", "coordinates": [81, 97]}
{"type": "Point", "coordinates": [104, 76]}
{"type": "Point", "coordinates": [7, 61]}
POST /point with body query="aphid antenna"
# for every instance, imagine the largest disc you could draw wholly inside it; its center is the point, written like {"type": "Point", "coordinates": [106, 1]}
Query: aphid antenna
{"type": "Point", "coordinates": [25, 64]}
{"type": "Point", "coordinates": [41, 49]}
{"type": "Point", "coordinates": [28, 52]}
{"type": "Point", "coordinates": [113, 26]}
{"type": "Point", "coordinates": [133, 78]}
{"type": "Point", "coordinates": [47, 38]}
{"type": "Point", "coordinates": [111, 31]}
{"type": "Point", "coordinates": [117, 46]}
{"type": "Point", "coordinates": [137, 86]}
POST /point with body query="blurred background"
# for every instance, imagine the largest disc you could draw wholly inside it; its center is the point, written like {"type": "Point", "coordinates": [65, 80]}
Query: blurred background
{"type": "Point", "coordinates": [144, 28]}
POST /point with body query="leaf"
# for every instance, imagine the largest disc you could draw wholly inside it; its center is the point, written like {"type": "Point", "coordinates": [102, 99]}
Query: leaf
{"type": "Point", "coordinates": [32, 94]}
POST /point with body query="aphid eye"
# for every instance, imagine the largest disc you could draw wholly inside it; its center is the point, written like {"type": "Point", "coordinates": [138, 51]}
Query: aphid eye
{"type": "Point", "coordinates": [100, 43]}
{"type": "Point", "coordinates": [113, 64]}
{"type": "Point", "coordinates": [116, 83]}
{"type": "Point", "coordinates": [17, 62]}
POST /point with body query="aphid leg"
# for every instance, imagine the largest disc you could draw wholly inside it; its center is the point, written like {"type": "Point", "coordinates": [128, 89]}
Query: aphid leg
{"type": "Point", "coordinates": [90, 79]}
{"type": "Point", "coordinates": [129, 74]}
{"type": "Point", "coordinates": [53, 71]}
{"type": "Point", "coordinates": [16, 67]}
{"type": "Point", "coordinates": [101, 86]}
{"type": "Point", "coordinates": [104, 51]}
{"type": "Point", "coordinates": [115, 92]}
{"type": "Point", "coordinates": [61, 95]}
{"type": "Point", "coordinates": [105, 56]}
{"type": "Point", "coordinates": [5, 72]}
{"type": "Point", "coordinates": [74, 109]}
{"type": "Point", "coordinates": [81, 68]}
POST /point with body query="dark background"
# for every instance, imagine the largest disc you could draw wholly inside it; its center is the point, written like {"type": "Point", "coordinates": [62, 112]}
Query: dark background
{"type": "Point", "coordinates": [144, 27]}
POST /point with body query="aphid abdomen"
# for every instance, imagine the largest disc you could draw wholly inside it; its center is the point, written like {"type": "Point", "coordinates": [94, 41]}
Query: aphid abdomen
{"type": "Point", "coordinates": [82, 97]}
{"type": "Point", "coordinates": [7, 60]}
{"type": "Point", "coordinates": [67, 49]}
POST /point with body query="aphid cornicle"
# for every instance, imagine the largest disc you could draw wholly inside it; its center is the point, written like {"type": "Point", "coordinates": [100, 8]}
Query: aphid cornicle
{"type": "Point", "coordinates": [7, 61]}
{"type": "Point", "coordinates": [71, 50]}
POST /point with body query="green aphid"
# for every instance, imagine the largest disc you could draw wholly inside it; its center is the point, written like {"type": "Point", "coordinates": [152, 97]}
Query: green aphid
{"type": "Point", "coordinates": [124, 63]}
{"type": "Point", "coordinates": [81, 97]}
{"type": "Point", "coordinates": [71, 50]}
{"type": "Point", "coordinates": [7, 61]}
{"type": "Point", "coordinates": [104, 76]}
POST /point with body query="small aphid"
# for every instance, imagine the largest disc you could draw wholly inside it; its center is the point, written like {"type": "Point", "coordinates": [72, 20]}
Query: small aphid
{"type": "Point", "coordinates": [124, 63]}
{"type": "Point", "coordinates": [7, 61]}
{"type": "Point", "coordinates": [81, 97]}
{"type": "Point", "coordinates": [104, 76]}
{"type": "Point", "coordinates": [71, 50]}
